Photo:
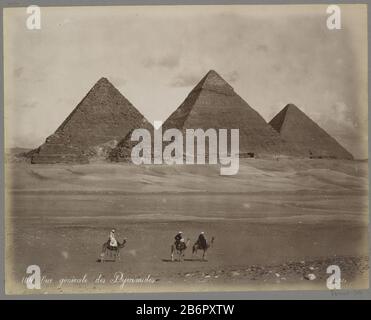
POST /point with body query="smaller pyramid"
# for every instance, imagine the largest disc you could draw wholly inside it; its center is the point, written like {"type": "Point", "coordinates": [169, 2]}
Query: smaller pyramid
{"type": "Point", "coordinates": [122, 152]}
{"type": "Point", "coordinates": [295, 127]}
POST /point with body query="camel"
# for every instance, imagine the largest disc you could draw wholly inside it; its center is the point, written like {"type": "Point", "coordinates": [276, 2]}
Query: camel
{"type": "Point", "coordinates": [197, 246]}
{"type": "Point", "coordinates": [179, 249]}
{"type": "Point", "coordinates": [114, 252]}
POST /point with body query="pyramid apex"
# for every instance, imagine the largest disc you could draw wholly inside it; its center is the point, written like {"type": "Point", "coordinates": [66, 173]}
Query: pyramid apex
{"type": "Point", "coordinates": [103, 80]}
{"type": "Point", "coordinates": [279, 119]}
{"type": "Point", "coordinates": [212, 71]}
{"type": "Point", "coordinates": [291, 106]}
{"type": "Point", "coordinates": [214, 82]}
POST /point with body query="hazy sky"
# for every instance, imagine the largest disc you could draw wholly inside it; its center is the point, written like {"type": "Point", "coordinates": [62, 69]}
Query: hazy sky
{"type": "Point", "coordinates": [271, 55]}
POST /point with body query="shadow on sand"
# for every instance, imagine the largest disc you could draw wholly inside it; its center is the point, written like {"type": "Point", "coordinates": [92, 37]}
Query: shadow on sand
{"type": "Point", "coordinates": [196, 259]}
{"type": "Point", "coordinates": [110, 260]}
{"type": "Point", "coordinates": [188, 260]}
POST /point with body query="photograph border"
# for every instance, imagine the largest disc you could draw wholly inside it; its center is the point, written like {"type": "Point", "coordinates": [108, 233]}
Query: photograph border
{"type": "Point", "coordinates": [253, 295]}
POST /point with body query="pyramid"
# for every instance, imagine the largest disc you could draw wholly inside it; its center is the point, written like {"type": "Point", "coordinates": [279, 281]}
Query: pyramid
{"type": "Point", "coordinates": [213, 103]}
{"type": "Point", "coordinates": [309, 138]}
{"type": "Point", "coordinates": [104, 116]}
{"type": "Point", "coordinates": [122, 152]}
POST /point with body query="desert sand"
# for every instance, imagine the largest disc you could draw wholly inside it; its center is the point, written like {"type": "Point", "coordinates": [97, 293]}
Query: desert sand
{"type": "Point", "coordinates": [274, 223]}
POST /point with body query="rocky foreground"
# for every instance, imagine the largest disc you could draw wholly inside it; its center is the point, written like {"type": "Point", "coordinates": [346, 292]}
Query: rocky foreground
{"type": "Point", "coordinates": [291, 273]}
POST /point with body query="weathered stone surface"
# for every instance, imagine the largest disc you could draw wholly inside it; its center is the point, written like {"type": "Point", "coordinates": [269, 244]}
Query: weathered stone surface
{"type": "Point", "coordinates": [122, 152]}
{"type": "Point", "coordinates": [213, 103]}
{"type": "Point", "coordinates": [104, 115]}
{"type": "Point", "coordinates": [310, 139]}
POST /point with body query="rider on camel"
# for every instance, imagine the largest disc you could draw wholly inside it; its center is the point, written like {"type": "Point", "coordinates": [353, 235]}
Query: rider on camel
{"type": "Point", "coordinates": [201, 241]}
{"type": "Point", "coordinates": [112, 239]}
{"type": "Point", "coordinates": [179, 238]}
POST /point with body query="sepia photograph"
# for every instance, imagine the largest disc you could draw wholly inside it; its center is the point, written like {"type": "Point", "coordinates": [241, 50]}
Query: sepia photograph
{"type": "Point", "coordinates": [185, 148]}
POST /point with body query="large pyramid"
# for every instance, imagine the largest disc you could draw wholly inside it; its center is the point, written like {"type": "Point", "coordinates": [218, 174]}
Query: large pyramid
{"type": "Point", "coordinates": [103, 117]}
{"type": "Point", "coordinates": [214, 104]}
{"type": "Point", "coordinates": [310, 139]}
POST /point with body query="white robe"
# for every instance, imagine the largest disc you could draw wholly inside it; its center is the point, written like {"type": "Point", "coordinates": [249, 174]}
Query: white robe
{"type": "Point", "coordinates": [112, 240]}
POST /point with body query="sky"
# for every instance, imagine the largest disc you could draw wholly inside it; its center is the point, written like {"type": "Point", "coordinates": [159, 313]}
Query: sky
{"type": "Point", "coordinates": [271, 55]}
